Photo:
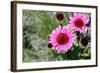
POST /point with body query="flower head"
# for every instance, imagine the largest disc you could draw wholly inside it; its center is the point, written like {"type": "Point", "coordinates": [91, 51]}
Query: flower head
{"type": "Point", "coordinates": [49, 45]}
{"type": "Point", "coordinates": [62, 39]}
{"type": "Point", "coordinates": [59, 16]}
{"type": "Point", "coordinates": [84, 41]}
{"type": "Point", "coordinates": [78, 22]}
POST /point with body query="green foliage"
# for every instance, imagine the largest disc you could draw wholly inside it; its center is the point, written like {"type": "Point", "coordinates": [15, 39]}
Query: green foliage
{"type": "Point", "coordinates": [28, 54]}
{"type": "Point", "coordinates": [86, 53]}
{"type": "Point", "coordinates": [37, 25]}
{"type": "Point", "coordinates": [74, 53]}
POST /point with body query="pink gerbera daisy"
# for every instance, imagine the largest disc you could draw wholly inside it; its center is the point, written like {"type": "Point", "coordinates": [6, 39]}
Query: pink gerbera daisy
{"type": "Point", "coordinates": [62, 39]}
{"type": "Point", "coordinates": [78, 22]}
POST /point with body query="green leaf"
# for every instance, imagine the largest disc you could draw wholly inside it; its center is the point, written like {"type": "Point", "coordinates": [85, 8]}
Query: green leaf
{"type": "Point", "coordinates": [63, 55]}
{"type": "Point", "coordinates": [87, 53]}
{"type": "Point", "coordinates": [74, 54]}
{"type": "Point", "coordinates": [50, 53]}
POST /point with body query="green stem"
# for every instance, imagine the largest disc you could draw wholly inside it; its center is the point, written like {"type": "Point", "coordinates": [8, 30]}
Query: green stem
{"type": "Point", "coordinates": [67, 16]}
{"type": "Point", "coordinates": [55, 55]}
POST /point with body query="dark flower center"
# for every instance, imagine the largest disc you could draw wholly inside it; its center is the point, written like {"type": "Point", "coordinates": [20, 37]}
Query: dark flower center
{"type": "Point", "coordinates": [62, 39]}
{"type": "Point", "coordinates": [84, 41]}
{"type": "Point", "coordinates": [49, 45]}
{"type": "Point", "coordinates": [78, 23]}
{"type": "Point", "coordinates": [59, 16]}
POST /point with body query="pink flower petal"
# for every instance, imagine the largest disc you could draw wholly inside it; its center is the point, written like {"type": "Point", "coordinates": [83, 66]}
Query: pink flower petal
{"type": "Point", "coordinates": [62, 47]}
{"type": "Point", "coordinates": [74, 18]}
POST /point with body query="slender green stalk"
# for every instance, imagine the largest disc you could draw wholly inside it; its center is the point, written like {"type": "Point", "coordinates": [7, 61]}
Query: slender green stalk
{"type": "Point", "coordinates": [55, 55]}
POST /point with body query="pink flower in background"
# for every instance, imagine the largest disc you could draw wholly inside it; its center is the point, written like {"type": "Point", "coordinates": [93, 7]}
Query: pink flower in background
{"type": "Point", "coordinates": [78, 22]}
{"type": "Point", "coordinates": [62, 39]}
